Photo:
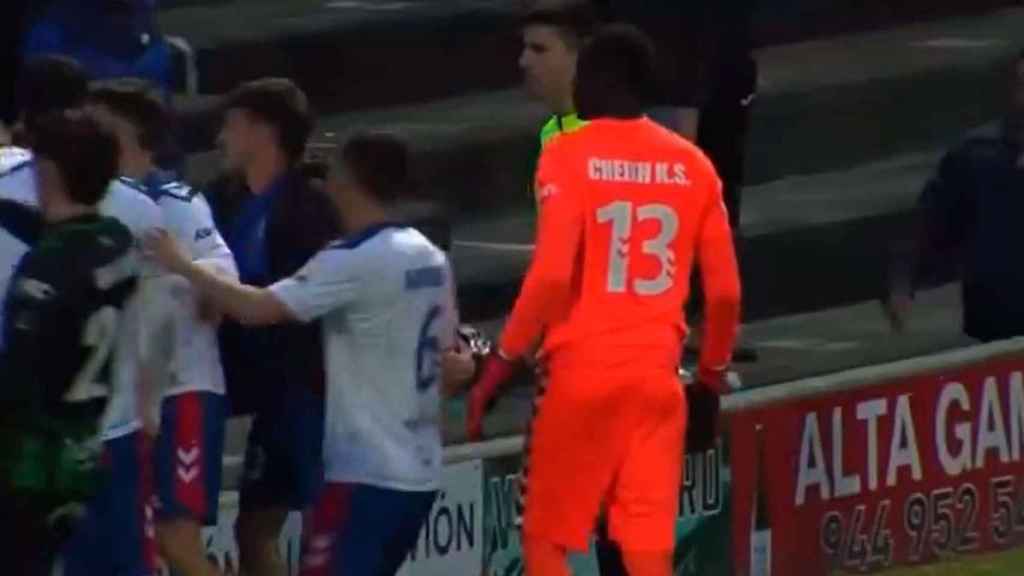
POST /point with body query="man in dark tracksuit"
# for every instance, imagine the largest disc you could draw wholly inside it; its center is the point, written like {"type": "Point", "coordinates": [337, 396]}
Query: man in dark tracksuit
{"type": "Point", "coordinates": [970, 214]}
{"type": "Point", "coordinates": [707, 74]}
{"type": "Point", "coordinates": [730, 86]}
{"type": "Point", "coordinates": [273, 222]}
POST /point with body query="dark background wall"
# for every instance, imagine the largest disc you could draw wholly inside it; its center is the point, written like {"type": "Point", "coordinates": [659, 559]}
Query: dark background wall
{"type": "Point", "coordinates": [787, 20]}
{"type": "Point", "coordinates": [779, 21]}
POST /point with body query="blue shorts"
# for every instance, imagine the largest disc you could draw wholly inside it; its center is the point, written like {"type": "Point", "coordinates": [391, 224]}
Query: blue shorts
{"type": "Point", "coordinates": [187, 456]}
{"type": "Point", "coordinates": [116, 537]}
{"type": "Point", "coordinates": [284, 457]}
{"type": "Point", "coordinates": [361, 530]}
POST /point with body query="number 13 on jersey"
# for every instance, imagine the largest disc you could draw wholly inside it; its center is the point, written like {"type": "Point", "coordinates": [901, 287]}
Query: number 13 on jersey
{"type": "Point", "coordinates": [623, 216]}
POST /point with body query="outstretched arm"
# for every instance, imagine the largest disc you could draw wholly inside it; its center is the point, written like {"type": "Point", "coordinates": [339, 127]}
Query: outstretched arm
{"type": "Point", "coordinates": [547, 289]}
{"type": "Point", "coordinates": [247, 304]}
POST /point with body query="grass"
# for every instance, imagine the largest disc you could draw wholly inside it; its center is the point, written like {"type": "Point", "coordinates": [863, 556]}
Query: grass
{"type": "Point", "coordinates": [1009, 563]}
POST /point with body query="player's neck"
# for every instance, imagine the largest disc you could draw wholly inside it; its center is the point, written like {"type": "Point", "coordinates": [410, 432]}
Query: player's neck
{"type": "Point", "coordinates": [563, 107]}
{"type": "Point", "coordinates": [263, 171]}
{"type": "Point", "coordinates": [356, 221]}
{"type": "Point", "coordinates": [138, 167]}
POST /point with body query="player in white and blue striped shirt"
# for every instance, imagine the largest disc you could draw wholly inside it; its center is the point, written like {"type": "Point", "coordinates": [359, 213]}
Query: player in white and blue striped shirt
{"type": "Point", "coordinates": [386, 296]}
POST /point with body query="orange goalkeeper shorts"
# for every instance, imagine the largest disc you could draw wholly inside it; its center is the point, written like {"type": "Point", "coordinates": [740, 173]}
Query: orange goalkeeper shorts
{"type": "Point", "coordinates": [611, 439]}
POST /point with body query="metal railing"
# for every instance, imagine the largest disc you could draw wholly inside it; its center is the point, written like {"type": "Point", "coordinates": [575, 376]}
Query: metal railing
{"type": "Point", "coordinates": [847, 380]}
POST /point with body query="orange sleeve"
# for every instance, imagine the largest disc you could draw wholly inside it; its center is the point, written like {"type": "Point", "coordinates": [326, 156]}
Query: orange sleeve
{"type": "Point", "coordinates": [721, 281]}
{"type": "Point", "coordinates": [546, 294]}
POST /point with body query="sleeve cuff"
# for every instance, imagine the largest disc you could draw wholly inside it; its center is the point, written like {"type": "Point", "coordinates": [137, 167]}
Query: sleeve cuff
{"type": "Point", "coordinates": [287, 293]}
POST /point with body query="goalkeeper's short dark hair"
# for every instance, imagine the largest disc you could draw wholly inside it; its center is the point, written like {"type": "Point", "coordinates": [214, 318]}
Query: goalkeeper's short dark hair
{"type": "Point", "coordinates": [283, 105]}
{"type": "Point", "coordinates": [141, 104]}
{"type": "Point", "coordinates": [616, 65]}
{"type": "Point", "coordinates": [85, 154]}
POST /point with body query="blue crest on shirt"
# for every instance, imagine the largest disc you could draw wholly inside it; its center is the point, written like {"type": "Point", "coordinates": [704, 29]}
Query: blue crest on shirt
{"type": "Point", "coordinates": [426, 277]}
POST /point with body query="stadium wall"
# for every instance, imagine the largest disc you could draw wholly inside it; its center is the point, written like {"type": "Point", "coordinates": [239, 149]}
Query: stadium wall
{"type": "Point", "coordinates": [881, 469]}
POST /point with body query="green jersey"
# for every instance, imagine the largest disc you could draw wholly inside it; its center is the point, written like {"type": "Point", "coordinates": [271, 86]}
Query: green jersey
{"type": "Point", "coordinates": [558, 125]}
{"type": "Point", "coordinates": [61, 320]}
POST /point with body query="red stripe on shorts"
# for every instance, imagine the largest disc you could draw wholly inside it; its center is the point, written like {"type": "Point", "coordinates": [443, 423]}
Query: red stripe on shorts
{"type": "Point", "coordinates": [322, 527]}
{"type": "Point", "coordinates": [147, 498]}
{"type": "Point", "coordinates": [189, 484]}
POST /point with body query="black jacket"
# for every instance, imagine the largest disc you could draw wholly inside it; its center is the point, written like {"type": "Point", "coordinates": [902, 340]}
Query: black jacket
{"type": "Point", "coordinates": [260, 363]}
{"type": "Point", "coordinates": [970, 215]}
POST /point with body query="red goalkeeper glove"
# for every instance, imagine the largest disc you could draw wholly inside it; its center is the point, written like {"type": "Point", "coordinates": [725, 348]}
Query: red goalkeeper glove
{"type": "Point", "coordinates": [496, 371]}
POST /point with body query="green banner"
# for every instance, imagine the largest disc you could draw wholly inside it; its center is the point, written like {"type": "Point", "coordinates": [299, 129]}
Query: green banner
{"type": "Point", "coordinates": [703, 532]}
{"type": "Point", "coordinates": [704, 527]}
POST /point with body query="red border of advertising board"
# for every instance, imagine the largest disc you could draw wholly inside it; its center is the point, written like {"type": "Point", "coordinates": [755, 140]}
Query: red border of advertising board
{"type": "Point", "coordinates": [905, 472]}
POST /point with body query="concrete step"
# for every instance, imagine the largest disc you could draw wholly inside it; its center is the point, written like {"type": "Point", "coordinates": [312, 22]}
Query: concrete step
{"type": "Point", "coordinates": [835, 159]}
{"type": "Point", "coordinates": [350, 55]}
{"type": "Point", "coordinates": [823, 106]}
{"type": "Point", "coordinates": [372, 53]}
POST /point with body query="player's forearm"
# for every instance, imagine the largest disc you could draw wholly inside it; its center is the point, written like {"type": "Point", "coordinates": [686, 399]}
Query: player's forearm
{"type": "Point", "coordinates": [542, 297]}
{"type": "Point", "coordinates": [721, 283]}
{"type": "Point", "coordinates": [221, 264]}
{"type": "Point", "coordinates": [721, 326]}
{"type": "Point", "coordinates": [20, 221]}
{"type": "Point", "coordinates": [247, 304]}
{"type": "Point", "coordinates": [457, 370]}
{"type": "Point", "coordinates": [721, 311]}
{"type": "Point", "coordinates": [547, 289]}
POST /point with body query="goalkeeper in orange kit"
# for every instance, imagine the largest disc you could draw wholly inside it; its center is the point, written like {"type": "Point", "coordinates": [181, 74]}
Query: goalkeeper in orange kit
{"type": "Point", "coordinates": [627, 207]}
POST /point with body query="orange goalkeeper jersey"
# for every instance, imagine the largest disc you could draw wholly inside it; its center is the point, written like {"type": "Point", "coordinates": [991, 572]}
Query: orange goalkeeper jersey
{"type": "Point", "coordinates": [627, 208]}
